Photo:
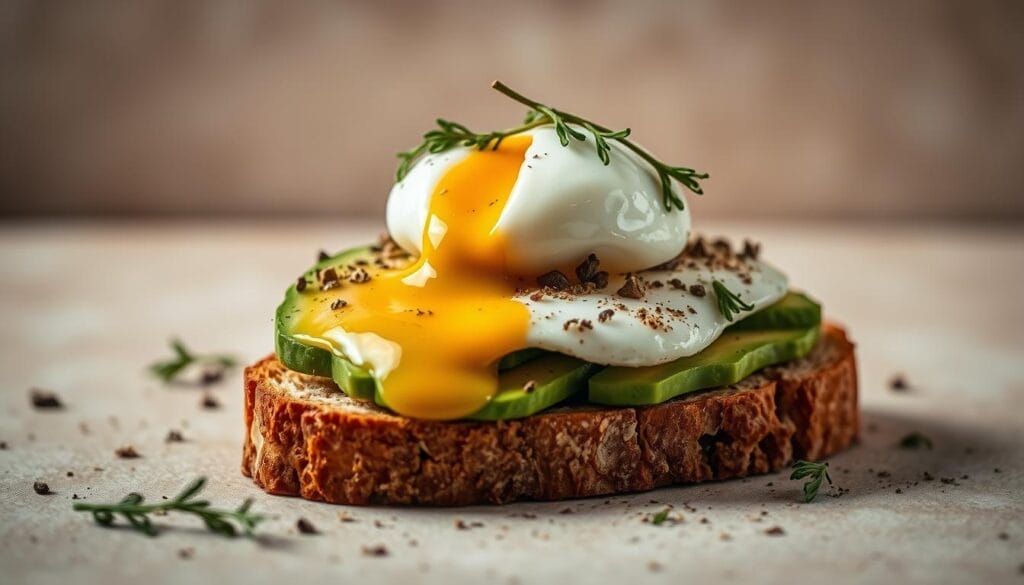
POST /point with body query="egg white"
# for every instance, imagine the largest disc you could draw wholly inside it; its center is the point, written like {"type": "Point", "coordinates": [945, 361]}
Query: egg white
{"type": "Point", "coordinates": [564, 205]}
{"type": "Point", "coordinates": [670, 331]}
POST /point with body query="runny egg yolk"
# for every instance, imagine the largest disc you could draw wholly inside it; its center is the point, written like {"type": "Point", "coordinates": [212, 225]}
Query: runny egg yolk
{"type": "Point", "coordinates": [450, 312]}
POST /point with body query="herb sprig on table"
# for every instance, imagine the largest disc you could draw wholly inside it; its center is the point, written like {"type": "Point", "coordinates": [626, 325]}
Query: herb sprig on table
{"type": "Point", "coordinates": [450, 134]}
{"type": "Point", "coordinates": [729, 303]}
{"type": "Point", "coordinates": [815, 472]}
{"type": "Point", "coordinates": [133, 509]}
{"type": "Point", "coordinates": [169, 369]}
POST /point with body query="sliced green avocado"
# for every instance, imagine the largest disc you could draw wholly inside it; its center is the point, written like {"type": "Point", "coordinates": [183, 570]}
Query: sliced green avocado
{"type": "Point", "coordinates": [315, 361]}
{"type": "Point", "coordinates": [794, 311]}
{"type": "Point", "coordinates": [554, 378]}
{"type": "Point", "coordinates": [519, 357]}
{"type": "Point", "coordinates": [732, 357]}
{"type": "Point", "coordinates": [294, 354]}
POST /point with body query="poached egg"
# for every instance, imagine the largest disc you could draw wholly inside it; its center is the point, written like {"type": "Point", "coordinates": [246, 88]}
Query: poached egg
{"type": "Point", "coordinates": [481, 225]}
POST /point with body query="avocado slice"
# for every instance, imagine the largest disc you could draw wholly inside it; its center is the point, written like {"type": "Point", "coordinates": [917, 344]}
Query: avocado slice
{"type": "Point", "coordinates": [294, 354]}
{"type": "Point", "coordinates": [555, 377]}
{"type": "Point", "coordinates": [732, 357]}
{"type": "Point", "coordinates": [316, 361]}
{"type": "Point", "coordinates": [352, 379]}
{"type": "Point", "coordinates": [520, 357]}
{"type": "Point", "coordinates": [794, 311]}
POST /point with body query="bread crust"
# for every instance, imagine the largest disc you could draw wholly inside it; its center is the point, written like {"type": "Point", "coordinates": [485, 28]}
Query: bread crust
{"type": "Point", "coordinates": [305, 438]}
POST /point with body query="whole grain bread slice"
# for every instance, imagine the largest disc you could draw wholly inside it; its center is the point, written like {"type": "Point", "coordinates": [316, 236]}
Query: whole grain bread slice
{"type": "Point", "coordinates": [305, 437]}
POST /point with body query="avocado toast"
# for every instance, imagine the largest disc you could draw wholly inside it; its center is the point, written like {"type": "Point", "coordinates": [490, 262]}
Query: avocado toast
{"type": "Point", "coordinates": [540, 323]}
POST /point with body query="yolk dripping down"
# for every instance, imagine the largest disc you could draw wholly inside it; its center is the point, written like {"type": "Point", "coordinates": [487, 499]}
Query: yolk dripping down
{"type": "Point", "coordinates": [454, 328]}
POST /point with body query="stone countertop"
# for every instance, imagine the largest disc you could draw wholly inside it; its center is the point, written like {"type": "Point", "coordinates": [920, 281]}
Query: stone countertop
{"type": "Point", "coordinates": [87, 306]}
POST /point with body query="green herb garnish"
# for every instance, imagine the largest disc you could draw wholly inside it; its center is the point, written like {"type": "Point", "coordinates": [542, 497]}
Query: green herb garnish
{"type": "Point", "coordinates": [915, 440]}
{"type": "Point", "coordinates": [168, 370]}
{"type": "Point", "coordinates": [660, 518]}
{"type": "Point", "coordinates": [729, 303]}
{"type": "Point", "coordinates": [137, 513]}
{"type": "Point", "coordinates": [450, 134]}
{"type": "Point", "coordinates": [816, 472]}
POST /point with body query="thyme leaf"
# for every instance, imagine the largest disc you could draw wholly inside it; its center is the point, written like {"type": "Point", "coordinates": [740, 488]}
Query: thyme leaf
{"type": "Point", "coordinates": [133, 509]}
{"type": "Point", "coordinates": [815, 473]}
{"type": "Point", "coordinates": [729, 303]}
{"type": "Point", "coordinates": [169, 369]}
{"type": "Point", "coordinates": [450, 134]}
{"type": "Point", "coordinates": [659, 518]}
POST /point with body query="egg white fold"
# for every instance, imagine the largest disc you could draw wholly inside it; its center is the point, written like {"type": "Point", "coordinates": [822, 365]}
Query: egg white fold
{"type": "Point", "coordinates": [627, 339]}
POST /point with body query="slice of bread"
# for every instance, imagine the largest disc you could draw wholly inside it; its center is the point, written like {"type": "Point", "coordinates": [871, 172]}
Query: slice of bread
{"type": "Point", "coordinates": [305, 437]}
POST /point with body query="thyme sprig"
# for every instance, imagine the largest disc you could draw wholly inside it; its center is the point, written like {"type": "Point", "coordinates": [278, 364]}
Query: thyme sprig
{"type": "Point", "coordinates": [450, 134]}
{"type": "Point", "coordinates": [816, 472]}
{"type": "Point", "coordinates": [132, 508]}
{"type": "Point", "coordinates": [169, 369]}
{"type": "Point", "coordinates": [729, 303]}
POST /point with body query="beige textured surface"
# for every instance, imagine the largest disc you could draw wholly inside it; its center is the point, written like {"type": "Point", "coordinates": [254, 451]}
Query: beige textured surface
{"type": "Point", "coordinates": [85, 307]}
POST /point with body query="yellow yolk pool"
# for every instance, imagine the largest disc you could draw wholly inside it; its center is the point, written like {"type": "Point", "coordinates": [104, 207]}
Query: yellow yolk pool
{"type": "Point", "coordinates": [449, 316]}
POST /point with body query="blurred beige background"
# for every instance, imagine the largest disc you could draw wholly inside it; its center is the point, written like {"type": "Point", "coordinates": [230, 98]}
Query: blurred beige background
{"type": "Point", "coordinates": [798, 109]}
